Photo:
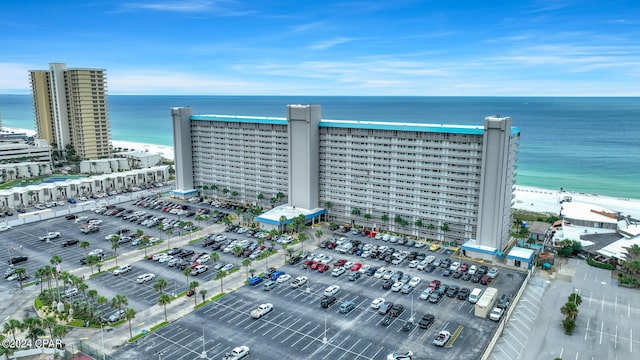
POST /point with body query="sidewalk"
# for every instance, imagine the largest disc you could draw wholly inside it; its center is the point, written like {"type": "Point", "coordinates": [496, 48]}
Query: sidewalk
{"type": "Point", "coordinates": [114, 338]}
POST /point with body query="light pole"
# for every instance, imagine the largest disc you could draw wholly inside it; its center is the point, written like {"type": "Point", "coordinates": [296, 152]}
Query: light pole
{"type": "Point", "coordinates": [324, 339]}
{"type": "Point", "coordinates": [102, 336]}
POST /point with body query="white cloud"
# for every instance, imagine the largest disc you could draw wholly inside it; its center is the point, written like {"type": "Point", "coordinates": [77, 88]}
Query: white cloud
{"type": "Point", "coordinates": [15, 78]}
{"type": "Point", "coordinates": [324, 45]}
{"type": "Point", "coordinates": [217, 7]}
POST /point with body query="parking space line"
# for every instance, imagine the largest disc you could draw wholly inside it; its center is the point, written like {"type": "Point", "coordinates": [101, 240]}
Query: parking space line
{"type": "Point", "coordinates": [302, 337]}
{"type": "Point", "coordinates": [284, 330]}
{"type": "Point", "coordinates": [336, 347]}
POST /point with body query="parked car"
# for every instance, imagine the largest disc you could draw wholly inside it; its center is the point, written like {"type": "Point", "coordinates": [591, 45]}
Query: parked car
{"type": "Point", "coordinates": [70, 242]}
{"type": "Point", "coordinates": [375, 304]}
{"type": "Point", "coordinates": [327, 301]}
{"type": "Point", "coordinates": [331, 290]}
{"type": "Point", "coordinates": [442, 338]}
{"type": "Point", "coordinates": [426, 321]}
{"type": "Point", "coordinates": [400, 356]}
{"type": "Point", "coordinates": [145, 277]}
{"type": "Point", "coordinates": [17, 259]}
{"type": "Point", "coordinates": [496, 314]}
{"type": "Point", "coordinates": [396, 310]}
{"type": "Point", "coordinates": [237, 353]}
{"type": "Point", "coordinates": [122, 269]}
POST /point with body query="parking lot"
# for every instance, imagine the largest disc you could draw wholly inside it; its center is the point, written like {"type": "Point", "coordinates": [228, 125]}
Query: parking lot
{"type": "Point", "coordinates": [297, 323]}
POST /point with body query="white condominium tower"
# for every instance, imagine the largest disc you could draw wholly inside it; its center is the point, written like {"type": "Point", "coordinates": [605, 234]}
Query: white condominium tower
{"type": "Point", "coordinates": [451, 183]}
{"type": "Point", "coordinates": [70, 107]}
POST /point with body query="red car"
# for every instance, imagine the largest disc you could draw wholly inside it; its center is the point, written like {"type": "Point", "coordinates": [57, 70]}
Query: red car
{"type": "Point", "coordinates": [307, 264]}
{"type": "Point", "coordinates": [315, 265]}
{"type": "Point", "coordinates": [464, 267]}
{"type": "Point", "coordinates": [322, 268]}
{"type": "Point", "coordinates": [435, 284]}
{"type": "Point", "coordinates": [331, 245]}
{"type": "Point", "coordinates": [340, 263]}
{"type": "Point", "coordinates": [356, 267]}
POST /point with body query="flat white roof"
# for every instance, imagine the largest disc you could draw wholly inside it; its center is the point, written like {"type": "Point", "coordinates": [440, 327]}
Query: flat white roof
{"type": "Point", "coordinates": [583, 211]}
{"type": "Point", "coordinates": [521, 253]}
{"type": "Point", "coordinates": [273, 216]}
{"type": "Point", "coordinates": [617, 248]}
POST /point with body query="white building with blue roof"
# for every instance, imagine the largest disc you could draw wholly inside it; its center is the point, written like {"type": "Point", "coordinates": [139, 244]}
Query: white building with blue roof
{"type": "Point", "coordinates": [443, 182]}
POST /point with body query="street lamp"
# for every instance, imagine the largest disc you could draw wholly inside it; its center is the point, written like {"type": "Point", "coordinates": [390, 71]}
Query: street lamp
{"type": "Point", "coordinates": [324, 339]}
{"type": "Point", "coordinates": [102, 336]}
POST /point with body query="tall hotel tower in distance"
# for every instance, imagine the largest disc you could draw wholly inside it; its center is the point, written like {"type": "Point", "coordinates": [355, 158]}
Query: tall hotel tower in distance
{"type": "Point", "coordinates": [70, 107]}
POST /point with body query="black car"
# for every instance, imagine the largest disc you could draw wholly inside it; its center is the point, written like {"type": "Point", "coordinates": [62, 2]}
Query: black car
{"type": "Point", "coordinates": [294, 260]}
{"type": "Point", "coordinates": [71, 217]}
{"type": "Point", "coordinates": [503, 301]}
{"type": "Point", "coordinates": [186, 253]}
{"type": "Point", "coordinates": [466, 276]}
{"type": "Point", "coordinates": [70, 242]}
{"type": "Point", "coordinates": [476, 278]}
{"type": "Point", "coordinates": [396, 310]}
{"type": "Point", "coordinates": [463, 294]}
{"type": "Point", "coordinates": [174, 251]}
{"type": "Point", "coordinates": [17, 259]}
{"type": "Point", "coordinates": [457, 274]}
{"type": "Point", "coordinates": [208, 241]}
{"type": "Point", "coordinates": [426, 321]}
{"type": "Point", "coordinates": [445, 263]}
{"type": "Point", "coordinates": [328, 301]}
{"type": "Point", "coordinates": [408, 326]}
{"type": "Point", "coordinates": [430, 268]}
{"type": "Point", "coordinates": [447, 273]}
{"type": "Point", "coordinates": [452, 291]}
{"type": "Point", "coordinates": [387, 284]}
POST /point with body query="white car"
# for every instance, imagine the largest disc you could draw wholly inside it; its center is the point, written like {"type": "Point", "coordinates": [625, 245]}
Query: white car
{"type": "Point", "coordinates": [299, 281]}
{"type": "Point", "coordinates": [472, 270]}
{"type": "Point", "coordinates": [95, 252]}
{"type": "Point", "coordinates": [50, 235]}
{"type": "Point", "coordinates": [4, 228]}
{"type": "Point", "coordinates": [414, 263]}
{"type": "Point", "coordinates": [400, 356]}
{"type": "Point", "coordinates": [422, 264]}
{"type": "Point", "coordinates": [331, 290]}
{"type": "Point", "coordinates": [199, 269]}
{"type": "Point", "coordinates": [95, 222]}
{"type": "Point", "coordinates": [81, 219]}
{"type": "Point", "coordinates": [338, 271]}
{"type": "Point", "coordinates": [145, 277]}
{"type": "Point", "coordinates": [415, 281]}
{"type": "Point", "coordinates": [397, 286]}
{"type": "Point", "coordinates": [496, 314]}
{"type": "Point", "coordinates": [122, 269]}
{"type": "Point", "coordinates": [237, 353]}
{"type": "Point", "coordinates": [429, 259]}
{"type": "Point", "coordinates": [283, 278]}
{"type": "Point", "coordinates": [365, 268]}
{"type": "Point", "coordinates": [375, 304]}
{"type": "Point", "coordinates": [165, 258]}
{"type": "Point", "coordinates": [454, 266]}
{"type": "Point", "coordinates": [426, 293]}
{"type": "Point", "coordinates": [111, 236]}
{"type": "Point", "coordinates": [379, 273]}
{"type": "Point", "coordinates": [262, 310]}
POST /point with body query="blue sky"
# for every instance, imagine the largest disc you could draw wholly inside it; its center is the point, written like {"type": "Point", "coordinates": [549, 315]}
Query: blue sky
{"type": "Point", "coordinates": [333, 47]}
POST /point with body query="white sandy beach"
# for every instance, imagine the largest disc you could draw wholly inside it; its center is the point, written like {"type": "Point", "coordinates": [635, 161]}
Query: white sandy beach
{"type": "Point", "coordinates": [527, 198]}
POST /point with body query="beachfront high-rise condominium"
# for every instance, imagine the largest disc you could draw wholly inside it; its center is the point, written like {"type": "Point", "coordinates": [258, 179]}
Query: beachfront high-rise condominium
{"type": "Point", "coordinates": [441, 182]}
{"type": "Point", "coordinates": [70, 107]}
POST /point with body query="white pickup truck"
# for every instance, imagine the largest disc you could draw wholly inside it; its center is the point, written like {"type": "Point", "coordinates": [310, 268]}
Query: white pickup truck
{"type": "Point", "coordinates": [50, 236]}
{"type": "Point", "coordinates": [237, 353]}
{"type": "Point", "coordinates": [262, 310]}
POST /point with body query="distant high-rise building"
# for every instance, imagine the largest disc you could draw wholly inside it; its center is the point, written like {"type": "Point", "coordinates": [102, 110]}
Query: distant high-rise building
{"type": "Point", "coordinates": [70, 107]}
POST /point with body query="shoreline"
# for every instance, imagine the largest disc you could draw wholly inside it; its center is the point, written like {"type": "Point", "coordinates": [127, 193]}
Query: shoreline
{"type": "Point", "coordinates": [529, 198]}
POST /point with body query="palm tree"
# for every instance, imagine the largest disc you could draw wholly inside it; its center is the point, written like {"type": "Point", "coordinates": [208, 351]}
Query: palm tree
{"type": "Point", "coordinates": [20, 272]}
{"type": "Point", "coordinates": [570, 310]}
{"type": "Point", "coordinates": [164, 300]}
{"type": "Point", "coordinates": [115, 245]}
{"type": "Point", "coordinates": [144, 242]}
{"type": "Point", "coordinates": [101, 300]}
{"type": "Point", "coordinates": [41, 273]}
{"type": "Point", "coordinates": [49, 322]}
{"type": "Point", "coordinates": [33, 326]}
{"type": "Point", "coordinates": [368, 217]}
{"type": "Point", "coordinates": [194, 286]}
{"type": "Point", "coordinates": [575, 298]}
{"type": "Point", "coordinates": [220, 276]}
{"type": "Point", "coordinates": [302, 237]}
{"type": "Point", "coordinates": [59, 332]}
{"type": "Point", "coordinates": [215, 256]}
{"type": "Point", "coordinates": [225, 191]}
{"type": "Point", "coordinates": [187, 271]}
{"type": "Point", "coordinates": [384, 218]}
{"type": "Point", "coordinates": [119, 301]}
{"type": "Point", "coordinates": [91, 294]}
{"type": "Point", "coordinates": [214, 187]}
{"type": "Point", "coordinates": [237, 250]}
{"type": "Point", "coordinates": [318, 235]}
{"type": "Point", "coordinates": [129, 314]}
{"type": "Point", "coordinates": [203, 292]}
{"type": "Point", "coordinates": [84, 245]}
{"type": "Point", "coordinates": [252, 271]}
{"type": "Point", "coordinates": [260, 197]}
{"type": "Point", "coordinates": [91, 260]}
{"type": "Point", "coordinates": [55, 262]}
{"type": "Point", "coordinates": [283, 220]}
{"type": "Point", "coordinates": [328, 205]}
{"type": "Point", "coordinates": [246, 263]}
{"type": "Point", "coordinates": [11, 326]}
{"type": "Point", "coordinates": [160, 284]}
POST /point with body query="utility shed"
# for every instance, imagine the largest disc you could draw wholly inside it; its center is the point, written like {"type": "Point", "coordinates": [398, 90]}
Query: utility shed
{"type": "Point", "coordinates": [485, 304]}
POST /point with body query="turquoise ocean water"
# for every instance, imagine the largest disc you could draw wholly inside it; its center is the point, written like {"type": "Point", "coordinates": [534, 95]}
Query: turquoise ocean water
{"type": "Point", "coordinates": [589, 145]}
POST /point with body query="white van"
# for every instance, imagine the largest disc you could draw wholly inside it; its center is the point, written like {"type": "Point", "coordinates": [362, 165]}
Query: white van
{"type": "Point", "coordinates": [475, 295]}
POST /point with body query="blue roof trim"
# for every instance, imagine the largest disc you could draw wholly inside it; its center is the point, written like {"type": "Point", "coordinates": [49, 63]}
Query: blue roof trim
{"type": "Point", "coordinates": [242, 119]}
{"type": "Point", "coordinates": [529, 259]}
{"type": "Point", "coordinates": [184, 192]}
{"type": "Point", "coordinates": [275, 222]}
{"type": "Point", "coordinates": [515, 130]}
{"type": "Point", "coordinates": [484, 251]}
{"type": "Point", "coordinates": [471, 130]}
{"type": "Point", "coordinates": [267, 221]}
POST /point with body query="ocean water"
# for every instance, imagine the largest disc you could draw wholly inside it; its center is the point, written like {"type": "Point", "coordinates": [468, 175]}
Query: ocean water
{"type": "Point", "coordinates": [588, 145]}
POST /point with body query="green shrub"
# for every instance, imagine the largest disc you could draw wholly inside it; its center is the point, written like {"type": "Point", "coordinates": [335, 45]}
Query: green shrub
{"type": "Point", "coordinates": [600, 265]}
